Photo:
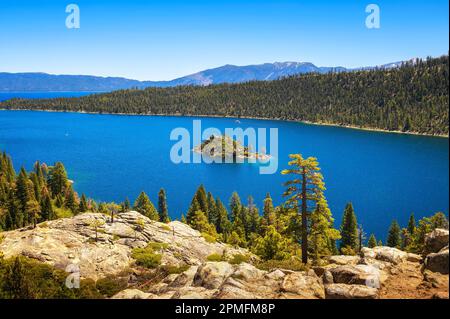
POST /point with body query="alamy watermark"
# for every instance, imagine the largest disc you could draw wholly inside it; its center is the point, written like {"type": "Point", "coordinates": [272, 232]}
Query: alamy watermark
{"type": "Point", "coordinates": [373, 19]}
{"type": "Point", "coordinates": [233, 145]}
{"type": "Point", "coordinates": [73, 19]}
{"type": "Point", "coordinates": [73, 279]}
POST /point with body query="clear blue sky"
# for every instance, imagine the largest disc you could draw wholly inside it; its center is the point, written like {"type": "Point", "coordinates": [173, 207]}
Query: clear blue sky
{"type": "Point", "coordinates": [161, 40]}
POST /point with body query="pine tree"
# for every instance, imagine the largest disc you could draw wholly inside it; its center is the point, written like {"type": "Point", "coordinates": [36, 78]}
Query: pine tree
{"type": "Point", "coordinates": [32, 210]}
{"type": "Point", "coordinates": [144, 206]}
{"type": "Point", "coordinates": [235, 206]}
{"type": "Point", "coordinates": [322, 235]}
{"type": "Point", "coordinates": [200, 223]}
{"type": "Point", "coordinates": [361, 238]}
{"type": "Point", "coordinates": [349, 229]}
{"type": "Point", "coordinates": [272, 246]}
{"type": "Point", "coordinates": [372, 243]}
{"type": "Point", "coordinates": [306, 187]}
{"type": "Point", "coordinates": [202, 199]}
{"type": "Point", "coordinates": [15, 283]}
{"type": "Point", "coordinates": [47, 212]}
{"type": "Point", "coordinates": [83, 207]}
{"type": "Point", "coordinates": [212, 210]}
{"type": "Point", "coordinates": [269, 216]}
{"type": "Point", "coordinates": [254, 220]}
{"type": "Point", "coordinates": [439, 220]}
{"type": "Point", "coordinates": [126, 205]}
{"type": "Point", "coordinates": [58, 179]}
{"type": "Point", "coordinates": [199, 202]}
{"type": "Point", "coordinates": [411, 224]}
{"type": "Point", "coordinates": [394, 238]}
{"type": "Point", "coordinates": [380, 243]}
{"type": "Point", "coordinates": [162, 207]}
{"type": "Point", "coordinates": [195, 206]}
{"type": "Point", "coordinates": [59, 202]}
{"type": "Point", "coordinates": [71, 200]}
{"type": "Point", "coordinates": [22, 189]}
{"type": "Point", "coordinates": [223, 224]}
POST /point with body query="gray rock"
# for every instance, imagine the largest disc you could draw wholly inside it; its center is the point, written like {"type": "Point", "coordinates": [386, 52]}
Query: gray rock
{"type": "Point", "coordinates": [387, 254]}
{"type": "Point", "coordinates": [358, 275]}
{"type": "Point", "coordinates": [435, 241]}
{"type": "Point", "coordinates": [438, 262]}
{"type": "Point", "coordinates": [132, 294]}
{"type": "Point", "coordinates": [212, 274]}
{"type": "Point", "coordinates": [414, 258]}
{"type": "Point", "coordinates": [343, 291]}
{"type": "Point", "coordinates": [303, 286]}
{"type": "Point", "coordinates": [344, 260]}
{"type": "Point", "coordinates": [327, 277]}
{"type": "Point", "coordinates": [71, 241]}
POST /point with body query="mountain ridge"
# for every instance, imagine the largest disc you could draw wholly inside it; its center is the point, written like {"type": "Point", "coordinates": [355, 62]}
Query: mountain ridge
{"type": "Point", "coordinates": [45, 82]}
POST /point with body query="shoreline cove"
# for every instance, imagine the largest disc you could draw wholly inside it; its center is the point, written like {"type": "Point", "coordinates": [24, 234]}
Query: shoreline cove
{"type": "Point", "coordinates": [369, 129]}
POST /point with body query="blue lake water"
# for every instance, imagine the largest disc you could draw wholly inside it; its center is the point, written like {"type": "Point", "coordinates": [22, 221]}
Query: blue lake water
{"type": "Point", "coordinates": [110, 157]}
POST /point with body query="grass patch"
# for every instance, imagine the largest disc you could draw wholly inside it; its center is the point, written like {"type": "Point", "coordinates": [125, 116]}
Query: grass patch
{"type": "Point", "coordinates": [214, 257]}
{"type": "Point", "coordinates": [239, 259]}
{"type": "Point", "coordinates": [62, 212]}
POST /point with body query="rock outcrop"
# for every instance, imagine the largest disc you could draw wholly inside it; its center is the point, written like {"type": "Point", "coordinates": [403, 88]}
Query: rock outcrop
{"type": "Point", "coordinates": [436, 241]}
{"type": "Point", "coordinates": [72, 241]}
{"type": "Point", "coordinates": [106, 250]}
{"type": "Point", "coordinates": [438, 262]}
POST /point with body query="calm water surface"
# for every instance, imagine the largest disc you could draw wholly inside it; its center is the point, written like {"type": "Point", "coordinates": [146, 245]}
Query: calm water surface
{"type": "Point", "coordinates": [386, 176]}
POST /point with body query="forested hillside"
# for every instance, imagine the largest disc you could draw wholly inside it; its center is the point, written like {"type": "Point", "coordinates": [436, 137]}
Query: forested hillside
{"type": "Point", "coordinates": [412, 98]}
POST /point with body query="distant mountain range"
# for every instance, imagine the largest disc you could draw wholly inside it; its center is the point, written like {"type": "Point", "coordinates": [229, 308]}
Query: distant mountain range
{"type": "Point", "coordinates": [42, 82]}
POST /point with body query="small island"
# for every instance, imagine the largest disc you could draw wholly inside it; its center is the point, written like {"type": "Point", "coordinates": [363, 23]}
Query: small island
{"type": "Point", "coordinates": [225, 147]}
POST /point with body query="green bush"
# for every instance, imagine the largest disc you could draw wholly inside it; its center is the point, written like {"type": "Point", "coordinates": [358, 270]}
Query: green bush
{"type": "Point", "coordinates": [348, 251]}
{"type": "Point", "coordinates": [214, 257]}
{"type": "Point", "coordinates": [293, 264]}
{"type": "Point", "coordinates": [239, 258]}
{"type": "Point", "coordinates": [146, 257]}
{"type": "Point", "coordinates": [175, 269]}
{"type": "Point", "coordinates": [24, 278]}
{"type": "Point", "coordinates": [209, 238]}
{"type": "Point", "coordinates": [110, 286]}
{"type": "Point", "coordinates": [165, 227]}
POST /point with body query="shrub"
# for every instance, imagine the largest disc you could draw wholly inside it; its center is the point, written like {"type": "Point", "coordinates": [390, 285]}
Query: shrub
{"type": "Point", "coordinates": [175, 269]}
{"type": "Point", "coordinates": [214, 257]}
{"type": "Point", "coordinates": [348, 251]}
{"type": "Point", "coordinates": [24, 278]}
{"type": "Point", "coordinates": [110, 286]}
{"type": "Point", "coordinates": [239, 258]}
{"type": "Point", "coordinates": [293, 264]}
{"type": "Point", "coordinates": [209, 238]}
{"type": "Point", "coordinates": [88, 290]}
{"type": "Point", "coordinates": [165, 227]}
{"type": "Point", "coordinates": [146, 257]}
